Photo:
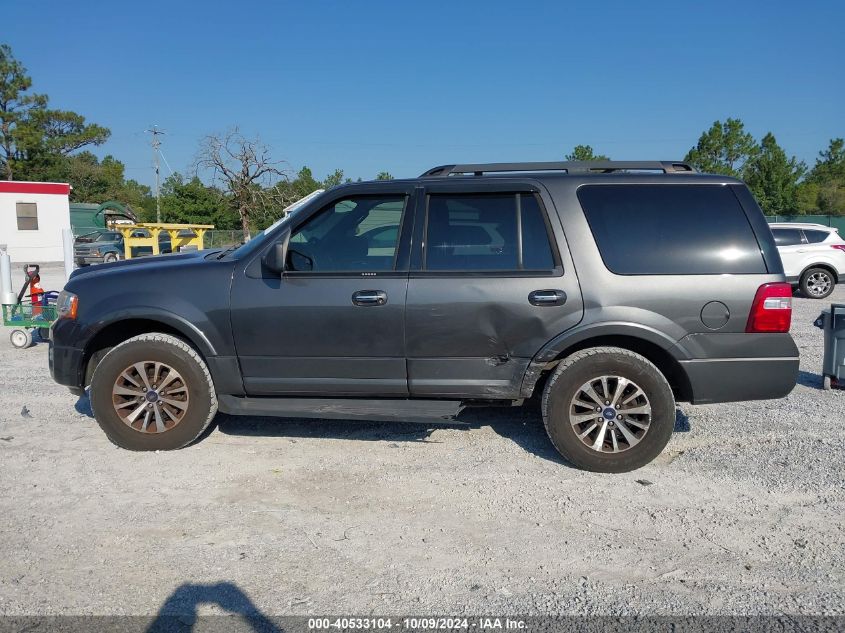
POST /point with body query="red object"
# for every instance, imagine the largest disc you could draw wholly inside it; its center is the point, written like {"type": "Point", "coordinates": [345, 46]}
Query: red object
{"type": "Point", "coordinates": [841, 247]}
{"type": "Point", "coordinates": [15, 186]}
{"type": "Point", "coordinates": [772, 309]}
{"type": "Point", "coordinates": [36, 294]}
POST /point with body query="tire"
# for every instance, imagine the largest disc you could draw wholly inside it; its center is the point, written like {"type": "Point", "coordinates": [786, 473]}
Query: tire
{"type": "Point", "coordinates": [168, 426]}
{"type": "Point", "coordinates": [817, 283]}
{"type": "Point", "coordinates": [627, 442]}
{"type": "Point", "coordinates": [109, 258]}
{"type": "Point", "coordinates": [21, 339]}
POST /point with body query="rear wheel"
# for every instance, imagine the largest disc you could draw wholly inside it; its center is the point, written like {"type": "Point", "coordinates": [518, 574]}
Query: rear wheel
{"type": "Point", "coordinates": [817, 283]}
{"type": "Point", "coordinates": [608, 409]}
{"type": "Point", "coordinates": [153, 392]}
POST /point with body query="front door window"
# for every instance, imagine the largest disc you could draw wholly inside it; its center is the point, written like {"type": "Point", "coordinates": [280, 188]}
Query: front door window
{"type": "Point", "coordinates": [356, 234]}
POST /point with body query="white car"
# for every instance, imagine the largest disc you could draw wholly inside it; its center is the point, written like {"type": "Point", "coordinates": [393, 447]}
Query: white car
{"type": "Point", "coordinates": [813, 256]}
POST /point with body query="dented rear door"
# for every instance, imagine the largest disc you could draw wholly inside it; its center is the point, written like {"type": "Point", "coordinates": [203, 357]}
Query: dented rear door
{"type": "Point", "coordinates": [491, 282]}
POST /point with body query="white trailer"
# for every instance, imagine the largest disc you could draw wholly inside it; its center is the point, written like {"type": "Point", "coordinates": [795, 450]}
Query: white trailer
{"type": "Point", "coordinates": [33, 216]}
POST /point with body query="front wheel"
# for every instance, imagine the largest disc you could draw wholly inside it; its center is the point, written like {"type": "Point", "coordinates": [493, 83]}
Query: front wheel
{"type": "Point", "coordinates": [817, 283]}
{"type": "Point", "coordinates": [608, 410]}
{"type": "Point", "coordinates": [153, 392]}
{"type": "Point", "coordinates": [109, 258]}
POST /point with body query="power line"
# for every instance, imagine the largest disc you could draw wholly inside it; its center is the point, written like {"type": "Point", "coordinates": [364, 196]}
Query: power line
{"type": "Point", "coordinates": [164, 158]}
{"type": "Point", "coordinates": [156, 152]}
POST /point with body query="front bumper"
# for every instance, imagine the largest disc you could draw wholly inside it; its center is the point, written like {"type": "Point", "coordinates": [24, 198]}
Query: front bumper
{"type": "Point", "coordinates": [89, 259]}
{"type": "Point", "coordinates": [66, 360]}
{"type": "Point", "coordinates": [66, 365]}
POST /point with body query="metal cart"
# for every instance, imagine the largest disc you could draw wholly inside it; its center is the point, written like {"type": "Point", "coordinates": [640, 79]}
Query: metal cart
{"type": "Point", "coordinates": [26, 318]}
{"type": "Point", "coordinates": [832, 321]}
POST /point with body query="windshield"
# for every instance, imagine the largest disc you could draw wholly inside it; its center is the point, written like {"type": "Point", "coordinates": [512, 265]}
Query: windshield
{"type": "Point", "coordinates": [108, 237]}
{"type": "Point", "coordinates": [257, 240]}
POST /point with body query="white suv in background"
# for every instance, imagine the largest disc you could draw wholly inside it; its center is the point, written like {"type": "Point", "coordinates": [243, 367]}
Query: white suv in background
{"type": "Point", "coordinates": [813, 256]}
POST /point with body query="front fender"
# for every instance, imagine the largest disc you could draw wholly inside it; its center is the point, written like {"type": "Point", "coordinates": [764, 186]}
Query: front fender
{"type": "Point", "coordinates": [189, 322]}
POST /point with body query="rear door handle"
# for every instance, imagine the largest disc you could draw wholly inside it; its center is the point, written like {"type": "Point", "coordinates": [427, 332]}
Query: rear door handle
{"type": "Point", "coordinates": [547, 298]}
{"type": "Point", "coordinates": [369, 298]}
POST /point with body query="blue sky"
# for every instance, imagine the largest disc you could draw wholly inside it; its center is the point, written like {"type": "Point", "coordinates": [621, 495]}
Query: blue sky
{"type": "Point", "coordinates": [401, 86]}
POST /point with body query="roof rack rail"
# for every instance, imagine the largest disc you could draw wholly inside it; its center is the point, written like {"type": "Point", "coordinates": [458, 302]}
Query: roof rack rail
{"type": "Point", "coordinates": [570, 167]}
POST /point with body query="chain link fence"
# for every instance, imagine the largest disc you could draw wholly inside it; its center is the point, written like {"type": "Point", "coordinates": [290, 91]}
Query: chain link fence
{"type": "Point", "coordinates": [222, 238]}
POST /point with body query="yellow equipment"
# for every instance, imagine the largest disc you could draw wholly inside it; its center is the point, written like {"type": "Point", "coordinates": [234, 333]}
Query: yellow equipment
{"type": "Point", "coordinates": [180, 235]}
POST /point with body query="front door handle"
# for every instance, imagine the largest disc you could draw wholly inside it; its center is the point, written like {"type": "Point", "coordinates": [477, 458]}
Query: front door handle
{"type": "Point", "coordinates": [369, 298]}
{"type": "Point", "coordinates": [547, 298]}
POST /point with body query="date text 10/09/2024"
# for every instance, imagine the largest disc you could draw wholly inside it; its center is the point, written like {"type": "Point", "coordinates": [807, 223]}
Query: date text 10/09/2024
{"type": "Point", "coordinates": [416, 624]}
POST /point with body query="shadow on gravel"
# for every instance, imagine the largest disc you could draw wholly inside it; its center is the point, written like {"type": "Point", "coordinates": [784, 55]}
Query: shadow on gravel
{"type": "Point", "coordinates": [808, 379]}
{"type": "Point", "coordinates": [682, 424]}
{"type": "Point", "coordinates": [83, 406]}
{"type": "Point", "coordinates": [179, 612]}
{"type": "Point", "coordinates": [524, 427]}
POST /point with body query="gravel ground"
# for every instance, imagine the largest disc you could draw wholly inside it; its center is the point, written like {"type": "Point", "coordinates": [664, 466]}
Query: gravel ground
{"type": "Point", "coordinates": [741, 514]}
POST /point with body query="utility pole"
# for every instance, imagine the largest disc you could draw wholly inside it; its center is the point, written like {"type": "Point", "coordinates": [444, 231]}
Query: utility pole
{"type": "Point", "coordinates": [156, 144]}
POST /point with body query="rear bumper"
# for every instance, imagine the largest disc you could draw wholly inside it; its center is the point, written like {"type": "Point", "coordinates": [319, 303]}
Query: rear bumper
{"type": "Point", "coordinates": [735, 379]}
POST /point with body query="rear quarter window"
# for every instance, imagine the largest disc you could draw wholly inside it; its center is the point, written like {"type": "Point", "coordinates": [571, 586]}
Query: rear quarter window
{"type": "Point", "coordinates": [814, 236]}
{"type": "Point", "coordinates": [671, 230]}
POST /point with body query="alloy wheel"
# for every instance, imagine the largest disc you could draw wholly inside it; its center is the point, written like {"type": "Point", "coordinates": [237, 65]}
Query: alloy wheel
{"type": "Point", "coordinates": [818, 284]}
{"type": "Point", "coordinates": [610, 414]}
{"type": "Point", "coordinates": [150, 397]}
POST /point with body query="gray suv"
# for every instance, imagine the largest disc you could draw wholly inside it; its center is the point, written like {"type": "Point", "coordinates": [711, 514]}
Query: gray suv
{"type": "Point", "coordinates": [605, 292]}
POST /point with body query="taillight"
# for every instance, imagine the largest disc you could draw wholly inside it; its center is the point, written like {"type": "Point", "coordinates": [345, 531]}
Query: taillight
{"type": "Point", "coordinates": [772, 309]}
{"type": "Point", "coordinates": [840, 247]}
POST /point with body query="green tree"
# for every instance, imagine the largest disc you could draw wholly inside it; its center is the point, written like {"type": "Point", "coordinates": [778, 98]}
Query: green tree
{"type": "Point", "coordinates": [773, 178]}
{"type": "Point", "coordinates": [585, 152]}
{"type": "Point", "coordinates": [333, 179]}
{"type": "Point", "coordinates": [830, 164]}
{"type": "Point", "coordinates": [384, 175]}
{"type": "Point", "coordinates": [32, 136]}
{"type": "Point", "coordinates": [823, 190]}
{"type": "Point", "coordinates": [723, 149]}
{"type": "Point", "coordinates": [193, 202]}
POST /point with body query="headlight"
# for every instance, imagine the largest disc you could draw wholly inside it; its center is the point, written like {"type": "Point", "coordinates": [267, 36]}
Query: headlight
{"type": "Point", "coordinates": [96, 252]}
{"type": "Point", "coordinates": [66, 305]}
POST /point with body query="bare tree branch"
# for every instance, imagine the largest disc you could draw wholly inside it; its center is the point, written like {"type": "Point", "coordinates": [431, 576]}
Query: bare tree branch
{"type": "Point", "coordinates": [243, 168]}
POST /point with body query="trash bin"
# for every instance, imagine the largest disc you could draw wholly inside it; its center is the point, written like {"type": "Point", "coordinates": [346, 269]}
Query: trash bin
{"type": "Point", "coordinates": [832, 321]}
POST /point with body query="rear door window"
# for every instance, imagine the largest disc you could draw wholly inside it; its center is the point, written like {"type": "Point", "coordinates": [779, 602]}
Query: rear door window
{"type": "Point", "coordinates": [671, 229]}
{"type": "Point", "coordinates": [486, 232]}
{"type": "Point", "coordinates": [787, 237]}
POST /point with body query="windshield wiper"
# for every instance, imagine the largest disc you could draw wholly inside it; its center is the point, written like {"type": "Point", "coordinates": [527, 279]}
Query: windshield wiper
{"type": "Point", "coordinates": [227, 251]}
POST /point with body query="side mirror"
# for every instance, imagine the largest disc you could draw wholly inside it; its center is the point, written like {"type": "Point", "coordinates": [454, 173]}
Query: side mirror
{"type": "Point", "coordinates": [277, 256]}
